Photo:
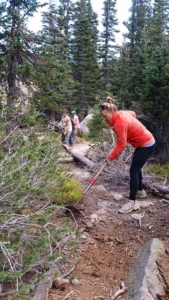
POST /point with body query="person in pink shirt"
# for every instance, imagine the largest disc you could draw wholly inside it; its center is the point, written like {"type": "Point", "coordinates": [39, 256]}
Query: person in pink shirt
{"type": "Point", "coordinates": [129, 130]}
{"type": "Point", "coordinates": [77, 126]}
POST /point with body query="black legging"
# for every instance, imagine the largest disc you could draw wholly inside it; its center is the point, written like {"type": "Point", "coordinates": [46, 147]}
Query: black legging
{"type": "Point", "coordinates": [139, 159]}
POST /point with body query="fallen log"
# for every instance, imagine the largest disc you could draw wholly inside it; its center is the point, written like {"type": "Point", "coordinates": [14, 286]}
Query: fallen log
{"type": "Point", "coordinates": [79, 157]}
{"type": "Point", "coordinates": [160, 188]}
{"type": "Point", "coordinates": [156, 188]}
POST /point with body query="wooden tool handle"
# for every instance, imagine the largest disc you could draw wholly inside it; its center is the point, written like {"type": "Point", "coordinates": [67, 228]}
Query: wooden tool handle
{"type": "Point", "coordinates": [99, 172]}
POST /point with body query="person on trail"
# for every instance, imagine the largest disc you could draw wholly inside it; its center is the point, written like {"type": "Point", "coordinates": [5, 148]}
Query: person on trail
{"type": "Point", "coordinates": [77, 126]}
{"type": "Point", "coordinates": [67, 126]}
{"type": "Point", "coordinates": [129, 130]}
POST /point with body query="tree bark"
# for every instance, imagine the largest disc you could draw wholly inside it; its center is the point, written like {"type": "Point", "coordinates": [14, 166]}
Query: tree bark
{"type": "Point", "coordinates": [79, 157]}
{"type": "Point", "coordinates": [42, 290]}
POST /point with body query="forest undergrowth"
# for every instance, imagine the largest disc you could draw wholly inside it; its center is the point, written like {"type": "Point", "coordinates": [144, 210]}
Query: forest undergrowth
{"type": "Point", "coordinates": [33, 186]}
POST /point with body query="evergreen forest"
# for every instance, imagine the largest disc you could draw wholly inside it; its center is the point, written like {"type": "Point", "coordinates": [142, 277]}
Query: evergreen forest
{"type": "Point", "coordinates": [69, 64]}
{"type": "Point", "coordinates": [72, 64]}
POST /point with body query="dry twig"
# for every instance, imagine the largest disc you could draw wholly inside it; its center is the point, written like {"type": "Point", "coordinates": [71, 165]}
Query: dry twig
{"type": "Point", "coordinates": [120, 291]}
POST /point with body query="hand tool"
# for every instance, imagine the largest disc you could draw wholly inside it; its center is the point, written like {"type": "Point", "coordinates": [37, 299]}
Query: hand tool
{"type": "Point", "coordinates": [73, 208]}
{"type": "Point", "coordinates": [93, 181]}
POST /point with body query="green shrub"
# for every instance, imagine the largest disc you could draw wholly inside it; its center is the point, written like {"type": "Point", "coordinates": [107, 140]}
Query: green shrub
{"type": "Point", "coordinates": [32, 186]}
{"type": "Point", "coordinates": [28, 120]}
{"type": "Point", "coordinates": [63, 190]}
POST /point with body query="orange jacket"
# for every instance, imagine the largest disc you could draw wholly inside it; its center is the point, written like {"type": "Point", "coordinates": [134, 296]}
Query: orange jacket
{"type": "Point", "coordinates": [128, 130]}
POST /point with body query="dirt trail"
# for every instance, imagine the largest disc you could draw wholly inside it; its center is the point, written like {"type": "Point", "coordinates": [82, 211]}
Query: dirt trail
{"type": "Point", "coordinates": [108, 247]}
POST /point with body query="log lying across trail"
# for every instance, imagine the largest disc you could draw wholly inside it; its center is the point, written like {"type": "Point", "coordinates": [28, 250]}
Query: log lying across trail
{"type": "Point", "coordinates": [160, 188]}
{"type": "Point", "coordinates": [157, 189]}
{"type": "Point", "coordinates": [77, 156]}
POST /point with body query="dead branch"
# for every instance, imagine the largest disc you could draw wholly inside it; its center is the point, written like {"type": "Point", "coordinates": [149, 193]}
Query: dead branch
{"type": "Point", "coordinates": [68, 273]}
{"type": "Point", "coordinates": [68, 295]}
{"type": "Point", "coordinates": [65, 160]}
{"type": "Point", "coordinates": [3, 295]}
{"type": "Point", "coordinates": [121, 290]}
{"type": "Point", "coordinates": [13, 261]}
{"type": "Point", "coordinates": [166, 201]}
{"type": "Point", "coordinates": [55, 126]}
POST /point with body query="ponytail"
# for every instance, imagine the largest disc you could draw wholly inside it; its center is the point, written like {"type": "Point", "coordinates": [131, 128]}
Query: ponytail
{"type": "Point", "coordinates": [109, 100]}
{"type": "Point", "coordinates": [108, 105]}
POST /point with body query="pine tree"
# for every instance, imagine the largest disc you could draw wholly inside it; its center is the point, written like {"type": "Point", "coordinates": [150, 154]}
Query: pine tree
{"type": "Point", "coordinates": [56, 25]}
{"type": "Point", "coordinates": [149, 60]}
{"type": "Point", "coordinates": [84, 55]}
{"type": "Point", "coordinates": [54, 76]}
{"type": "Point", "coordinates": [156, 82]}
{"type": "Point", "coordinates": [138, 36]}
{"type": "Point", "coordinates": [15, 43]}
{"type": "Point", "coordinates": [159, 25]}
{"type": "Point", "coordinates": [108, 48]}
{"type": "Point", "coordinates": [138, 24]}
{"type": "Point", "coordinates": [55, 84]}
{"type": "Point", "coordinates": [120, 78]}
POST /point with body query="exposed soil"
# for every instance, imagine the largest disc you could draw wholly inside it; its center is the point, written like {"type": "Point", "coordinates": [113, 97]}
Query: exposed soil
{"type": "Point", "coordinates": [107, 248]}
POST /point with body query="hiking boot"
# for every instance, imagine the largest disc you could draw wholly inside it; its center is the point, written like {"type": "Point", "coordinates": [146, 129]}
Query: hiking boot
{"type": "Point", "coordinates": [129, 206]}
{"type": "Point", "coordinates": [141, 194]}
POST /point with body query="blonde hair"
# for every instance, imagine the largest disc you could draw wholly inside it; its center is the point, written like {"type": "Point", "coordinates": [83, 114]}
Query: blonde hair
{"type": "Point", "coordinates": [109, 100]}
{"type": "Point", "coordinates": [108, 105]}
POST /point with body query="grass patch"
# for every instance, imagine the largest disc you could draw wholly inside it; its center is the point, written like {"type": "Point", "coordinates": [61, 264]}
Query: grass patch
{"type": "Point", "coordinates": [160, 170]}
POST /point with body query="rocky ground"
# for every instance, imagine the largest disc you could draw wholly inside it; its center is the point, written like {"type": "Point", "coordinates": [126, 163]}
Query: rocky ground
{"type": "Point", "coordinates": [110, 241]}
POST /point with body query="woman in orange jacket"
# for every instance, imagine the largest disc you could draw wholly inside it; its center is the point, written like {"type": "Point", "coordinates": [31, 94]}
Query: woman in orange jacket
{"type": "Point", "coordinates": [129, 130]}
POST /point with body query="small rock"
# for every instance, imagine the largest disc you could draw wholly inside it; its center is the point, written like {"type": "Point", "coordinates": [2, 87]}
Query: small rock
{"type": "Point", "coordinates": [101, 211]}
{"type": "Point", "coordinates": [60, 282]}
{"type": "Point", "coordinates": [137, 216]}
{"type": "Point", "coordinates": [96, 274]}
{"type": "Point", "coordinates": [100, 189]}
{"type": "Point", "coordinates": [89, 225]}
{"type": "Point", "coordinates": [83, 236]}
{"type": "Point", "coordinates": [75, 281]}
{"type": "Point", "coordinates": [93, 218]}
{"type": "Point", "coordinates": [81, 229]}
{"type": "Point", "coordinates": [115, 195]}
{"type": "Point", "coordinates": [145, 203]}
